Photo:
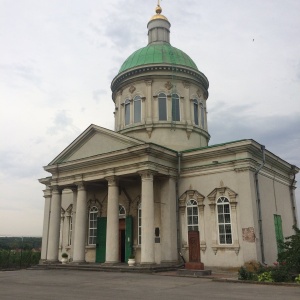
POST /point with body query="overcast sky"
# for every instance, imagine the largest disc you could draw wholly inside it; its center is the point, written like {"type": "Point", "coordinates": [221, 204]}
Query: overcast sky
{"type": "Point", "coordinates": [58, 58]}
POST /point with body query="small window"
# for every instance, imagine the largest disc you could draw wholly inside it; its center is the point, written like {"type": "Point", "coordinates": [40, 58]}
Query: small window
{"type": "Point", "coordinates": [162, 107]}
{"type": "Point", "coordinates": [137, 105]}
{"type": "Point", "coordinates": [192, 215]}
{"type": "Point", "coordinates": [202, 115]}
{"type": "Point", "coordinates": [93, 225]}
{"type": "Point", "coordinates": [127, 112]}
{"type": "Point", "coordinates": [122, 211]}
{"type": "Point", "coordinates": [224, 221]}
{"type": "Point", "coordinates": [139, 224]}
{"type": "Point", "coordinates": [175, 108]}
{"type": "Point", "coordinates": [196, 118]}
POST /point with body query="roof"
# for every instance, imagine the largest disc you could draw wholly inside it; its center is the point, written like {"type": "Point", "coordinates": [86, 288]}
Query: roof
{"type": "Point", "coordinates": [162, 53]}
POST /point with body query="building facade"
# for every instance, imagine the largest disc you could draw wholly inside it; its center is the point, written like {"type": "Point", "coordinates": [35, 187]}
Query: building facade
{"type": "Point", "coordinates": [154, 187]}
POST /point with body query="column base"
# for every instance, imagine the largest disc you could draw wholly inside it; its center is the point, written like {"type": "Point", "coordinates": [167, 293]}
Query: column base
{"type": "Point", "coordinates": [74, 262]}
{"type": "Point", "coordinates": [148, 264]}
{"type": "Point", "coordinates": [111, 263]}
{"type": "Point", "coordinates": [194, 266]}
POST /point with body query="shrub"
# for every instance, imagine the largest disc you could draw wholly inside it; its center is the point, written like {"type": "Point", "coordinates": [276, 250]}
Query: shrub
{"type": "Point", "coordinates": [290, 254]}
{"type": "Point", "coordinates": [265, 277]}
{"type": "Point", "coordinates": [297, 279]}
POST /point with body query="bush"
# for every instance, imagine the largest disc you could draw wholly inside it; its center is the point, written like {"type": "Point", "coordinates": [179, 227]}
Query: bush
{"type": "Point", "coordinates": [290, 254]}
{"type": "Point", "coordinates": [265, 277]}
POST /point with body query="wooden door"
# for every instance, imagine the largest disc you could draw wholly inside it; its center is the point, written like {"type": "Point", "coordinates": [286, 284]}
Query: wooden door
{"type": "Point", "coordinates": [122, 240]}
{"type": "Point", "coordinates": [194, 246]}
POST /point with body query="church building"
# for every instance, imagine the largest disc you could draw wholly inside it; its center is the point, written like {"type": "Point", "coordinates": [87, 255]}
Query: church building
{"type": "Point", "coordinates": [154, 187]}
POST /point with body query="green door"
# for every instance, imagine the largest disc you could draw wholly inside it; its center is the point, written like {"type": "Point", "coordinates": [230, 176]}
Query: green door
{"type": "Point", "coordinates": [278, 231]}
{"type": "Point", "coordinates": [128, 237]}
{"type": "Point", "coordinates": [101, 239]}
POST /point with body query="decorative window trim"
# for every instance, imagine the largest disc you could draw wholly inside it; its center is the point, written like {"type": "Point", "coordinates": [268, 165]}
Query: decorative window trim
{"type": "Point", "coordinates": [199, 198]}
{"type": "Point", "coordinates": [213, 198]}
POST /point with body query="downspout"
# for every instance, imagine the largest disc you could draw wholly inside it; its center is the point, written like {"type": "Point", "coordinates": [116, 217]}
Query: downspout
{"type": "Point", "coordinates": [292, 194]}
{"type": "Point", "coordinates": [177, 201]}
{"type": "Point", "coordinates": [261, 237]}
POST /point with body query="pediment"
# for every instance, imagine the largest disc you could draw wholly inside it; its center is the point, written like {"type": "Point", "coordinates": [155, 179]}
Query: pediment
{"type": "Point", "coordinates": [95, 140]}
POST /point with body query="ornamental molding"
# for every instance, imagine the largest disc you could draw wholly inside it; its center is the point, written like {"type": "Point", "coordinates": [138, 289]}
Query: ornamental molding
{"type": "Point", "coordinates": [222, 191]}
{"type": "Point", "coordinates": [132, 89]}
{"type": "Point", "coordinates": [168, 85]}
{"type": "Point", "coordinates": [191, 194]}
{"type": "Point", "coordinates": [186, 84]}
{"type": "Point", "coordinates": [199, 93]}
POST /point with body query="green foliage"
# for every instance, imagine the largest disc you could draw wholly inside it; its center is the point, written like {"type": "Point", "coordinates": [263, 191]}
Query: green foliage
{"type": "Point", "coordinates": [243, 274]}
{"type": "Point", "coordinates": [18, 260]}
{"type": "Point", "coordinates": [65, 255]}
{"type": "Point", "coordinates": [265, 277]}
{"type": "Point", "coordinates": [297, 279]}
{"type": "Point", "coordinates": [25, 243]}
{"type": "Point", "coordinates": [290, 254]}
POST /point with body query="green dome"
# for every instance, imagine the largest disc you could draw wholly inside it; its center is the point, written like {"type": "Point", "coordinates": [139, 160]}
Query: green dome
{"type": "Point", "coordinates": [158, 54]}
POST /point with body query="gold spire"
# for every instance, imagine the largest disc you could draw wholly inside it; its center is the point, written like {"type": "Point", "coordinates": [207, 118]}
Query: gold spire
{"type": "Point", "coordinates": [158, 11]}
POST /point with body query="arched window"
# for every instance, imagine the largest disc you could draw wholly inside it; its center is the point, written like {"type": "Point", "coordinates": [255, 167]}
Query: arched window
{"type": "Point", "coordinates": [122, 211]}
{"type": "Point", "coordinates": [127, 112]}
{"type": "Point", "coordinates": [137, 105]}
{"type": "Point", "coordinates": [175, 108]}
{"type": "Point", "coordinates": [93, 213]}
{"type": "Point", "coordinates": [224, 221]}
{"type": "Point", "coordinates": [196, 114]}
{"type": "Point", "coordinates": [162, 107]}
{"type": "Point", "coordinates": [139, 224]}
{"type": "Point", "coordinates": [192, 215]}
{"type": "Point", "coordinates": [202, 115]}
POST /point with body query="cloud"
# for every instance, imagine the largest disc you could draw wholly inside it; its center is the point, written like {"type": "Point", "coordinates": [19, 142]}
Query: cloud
{"type": "Point", "coordinates": [62, 123]}
{"type": "Point", "coordinates": [97, 94]}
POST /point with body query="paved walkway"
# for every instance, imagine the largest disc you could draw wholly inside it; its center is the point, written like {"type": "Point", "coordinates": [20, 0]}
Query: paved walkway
{"type": "Point", "coordinates": [89, 285]}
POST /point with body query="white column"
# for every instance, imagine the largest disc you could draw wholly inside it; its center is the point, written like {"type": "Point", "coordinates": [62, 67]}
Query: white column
{"type": "Point", "coordinates": [112, 229]}
{"type": "Point", "coordinates": [168, 221]}
{"type": "Point", "coordinates": [80, 225]}
{"type": "Point", "coordinates": [147, 247]}
{"type": "Point", "coordinates": [54, 228]}
{"type": "Point", "coordinates": [73, 220]}
{"type": "Point", "coordinates": [47, 207]}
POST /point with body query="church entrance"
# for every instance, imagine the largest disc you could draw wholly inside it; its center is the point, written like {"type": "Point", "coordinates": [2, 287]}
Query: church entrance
{"type": "Point", "coordinates": [194, 246]}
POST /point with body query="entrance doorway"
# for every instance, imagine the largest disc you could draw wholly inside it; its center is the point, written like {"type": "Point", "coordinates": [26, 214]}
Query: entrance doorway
{"type": "Point", "coordinates": [194, 246]}
{"type": "Point", "coordinates": [122, 239]}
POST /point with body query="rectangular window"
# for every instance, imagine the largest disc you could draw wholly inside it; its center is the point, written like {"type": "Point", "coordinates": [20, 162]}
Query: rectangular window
{"type": "Point", "coordinates": [70, 230]}
{"type": "Point", "coordinates": [196, 119]}
{"type": "Point", "coordinates": [127, 113]}
{"type": "Point", "coordinates": [175, 108]}
{"type": "Point", "coordinates": [137, 110]}
{"type": "Point", "coordinates": [162, 108]}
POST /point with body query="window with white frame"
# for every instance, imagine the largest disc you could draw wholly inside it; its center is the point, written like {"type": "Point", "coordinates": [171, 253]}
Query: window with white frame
{"type": "Point", "coordinates": [162, 107]}
{"type": "Point", "coordinates": [224, 221]}
{"type": "Point", "coordinates": [175, 108]}
{"type": "Point", "coordinates": [202, 114]}
{"type": "Point", "coordinates": [139, 224]}
{"type": "Point", "coordinates": [196, 112]}
{"type": "Point", "coordinates": [192, 215]}
{"type": "Point", "coordinates": [127, 112]}
{"type": "Point", "coordinates": [137, 107]}
{"type": "Point", "coordinates": [93, 213]}
{"type": "Point", "coordinates": [70, 230]}
{"type": "Point", "coordinates": [122, 212]}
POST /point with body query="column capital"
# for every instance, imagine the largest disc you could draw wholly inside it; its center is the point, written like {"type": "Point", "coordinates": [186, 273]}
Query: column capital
{"type": "Point", "coordinates": [80, 185]}
{"type": "Point", "coordinates": [147, 174]}
{"type": "Point", "coordinates": [148, 82]}
{"type": "Point", "coordinates": [112, 180]}
{"type": "Point", "coordinates": [55, 189]}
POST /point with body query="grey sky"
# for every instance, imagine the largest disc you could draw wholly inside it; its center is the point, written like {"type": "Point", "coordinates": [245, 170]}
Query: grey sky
{"type": "Point", "coordinates": [58, 58]}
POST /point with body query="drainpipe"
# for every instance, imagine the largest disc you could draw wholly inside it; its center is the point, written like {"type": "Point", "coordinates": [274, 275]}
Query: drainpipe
{"type": "Point", "coordinates": [177, 201]}
{"type": "Point", "coordinates": [292, 194]}
{"type": "Point", "coordinates": [259, 206]}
